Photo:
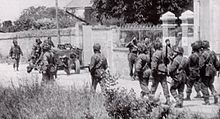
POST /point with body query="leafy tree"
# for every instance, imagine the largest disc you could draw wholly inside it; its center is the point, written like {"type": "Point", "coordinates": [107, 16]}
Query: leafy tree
{"type": "Point", "coordinates": [43, 18]}
{"type": "Point", "coordinates": [138, 11]}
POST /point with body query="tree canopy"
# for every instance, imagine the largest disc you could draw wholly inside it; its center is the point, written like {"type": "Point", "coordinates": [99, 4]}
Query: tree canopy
{"type": "Point", "coordinates": [138, 11]}
{"type": "Point", "coordinates": [39, 18]}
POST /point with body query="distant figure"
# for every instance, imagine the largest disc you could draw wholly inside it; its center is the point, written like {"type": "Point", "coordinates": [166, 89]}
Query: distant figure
{"type": "Point", "coordinates": [132, 55]}
{"type": "Point", "coordinates": [36, 50]}
{"type": "Point", "coordinates": [50, 42]}
{"type": "Point", "coordinates": [159, 71]}
{"type": "Point", "coordinates": [15, 53]}
{"type": "Point", "coordinates": [209, 66]}
{"type": "Point", "coordinates": [98, 66]}
{"type": "Point", "coordinates": [142, 69]}
{"type": "Point", "coordinates": [48, 65]}
{"type": "Point", "coordinates": [177, 71]}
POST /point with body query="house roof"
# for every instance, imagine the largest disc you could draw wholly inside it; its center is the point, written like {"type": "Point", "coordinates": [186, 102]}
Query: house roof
{"type": "Point", "coordinates": [79, 4]}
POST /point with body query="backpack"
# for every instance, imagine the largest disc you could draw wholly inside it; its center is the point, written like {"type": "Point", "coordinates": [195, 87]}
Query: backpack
{"type": "Point", "coordinates": [210, 69]}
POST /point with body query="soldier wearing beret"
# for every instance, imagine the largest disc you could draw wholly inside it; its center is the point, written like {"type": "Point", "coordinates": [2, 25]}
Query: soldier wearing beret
{"type": "Point", "coordinates": [98, 66]}
{"type": "Point", "coordinates": [209, 65]}
{"type": "Point", "coordinates": [15, 53]}
{"type": "Point", "coordinates": [177, 71]}
{"type": "Point", "coordinates": [159, 71]}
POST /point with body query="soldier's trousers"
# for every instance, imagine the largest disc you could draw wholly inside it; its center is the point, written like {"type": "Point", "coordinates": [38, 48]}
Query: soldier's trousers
{"type": "Point", "coordinates": [131, 60]}
{"type": "Point", "coordinates": [47, 77]}
{"type": "Point", "coordinates": [144, 81]}
{"type": "Point", "coordinates": [177, 86]}
{"type": "Point", "coordinates": [197, 86]}
{"type": "Point", "coordinates": [190, 83]}
{"type": "Point", "coordinates": [163, 81]}
{"type": "Point", "coordinates": [95, 81]}
{"type": "Point", "coordinates": [16, 63]}
{"type": "Point", "coordinates": [207, 83]}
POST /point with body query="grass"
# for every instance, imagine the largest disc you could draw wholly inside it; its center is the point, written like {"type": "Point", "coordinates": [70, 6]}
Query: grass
{"type": "Point", "coordinates": [32, 101]}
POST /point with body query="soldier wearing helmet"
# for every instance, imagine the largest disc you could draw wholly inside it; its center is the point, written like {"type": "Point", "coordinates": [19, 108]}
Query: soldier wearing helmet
{"type": "Point", "coordinates": [142, 69]}
{"type": "Point", "coordinates": [177, 71]}
{"type": "Point", "coordinates": [159, 71]}
{"type": "Point", "coordinates": [98, 66]}
{"type": "Point", "coordinates": [194, 70]}
{"type": "Point", "coordinates": [36, 50]}
{"type": "Point", "coordinates": [132, 55]}
{"type": "Point", "coordinates": [209, 65]}
{"type": "Point", "coordinates": [48, 67]}
{"type": "Point", "coordinates": [15, 53]}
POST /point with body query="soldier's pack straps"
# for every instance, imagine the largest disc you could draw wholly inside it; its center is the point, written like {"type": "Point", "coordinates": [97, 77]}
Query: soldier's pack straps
{"type": "Point", "coordinates": [100, 62]}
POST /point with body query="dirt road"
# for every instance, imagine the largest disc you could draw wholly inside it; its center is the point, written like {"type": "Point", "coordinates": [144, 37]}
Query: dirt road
{"type": "Point", "coordinates": [8, 77]}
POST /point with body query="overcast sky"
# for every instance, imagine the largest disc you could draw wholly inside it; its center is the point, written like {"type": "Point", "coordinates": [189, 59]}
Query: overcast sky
{"type": "Point", "coordinates": [11, 9]}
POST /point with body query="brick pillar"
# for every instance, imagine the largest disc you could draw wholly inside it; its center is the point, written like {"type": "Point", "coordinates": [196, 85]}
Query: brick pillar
{"type": "Point", "coordinates": [168, 25]}
{"type": "Point", "coordinates": [187, 26]}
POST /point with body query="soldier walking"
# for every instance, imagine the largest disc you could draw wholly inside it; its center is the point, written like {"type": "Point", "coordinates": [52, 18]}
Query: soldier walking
{"type": "Point", "coordinates": [209, 65]}
{"type": "Point", "coordinates": [194, 70]}
{"type": "Point", "coordinates": [15, 53]}
{"type": "Point", "coordinates": [36, 51]}
{"type": "Point", "coordinates": [177, 71]}
{"type": "Point", "coordinates": [48, 67]}
{"type": "Point", "coordinates": [142, 69]}
{"type": "Point", "coordinates": [132, 55]}
{"type": "Point", "coordinates": [159, 71]}
{"type": "Point", "coordinates": [98, 66]}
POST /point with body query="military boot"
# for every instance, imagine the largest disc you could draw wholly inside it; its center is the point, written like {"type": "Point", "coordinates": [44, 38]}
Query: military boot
{"type": "Point", "coordinates": [187, 97]}
{"type": "Point", "coordinates": [215, 99]}
{"type": "Point", "coordinates": [206, 101]}
{"type": "Point", "coordinates": [168, 102]}
{"type": "Point", "coordinates": [198, 95]}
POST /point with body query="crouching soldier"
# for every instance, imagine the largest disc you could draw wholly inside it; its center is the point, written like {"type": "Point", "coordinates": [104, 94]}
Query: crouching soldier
{"type": "Point", "coordinates": [15, 53]}
{"type": "Point", "coordinates": [98, 66]}
{"type": "Point", "coordinates": [48, 67]}
{"type": "Point", "coordinates": [209, 65]}
{"type": "Point", "coordinates": [159, 71]}
{"type": "Point", "coordinates": [177, 71]}
{"type": "Point", "coordinates": [142, 70]}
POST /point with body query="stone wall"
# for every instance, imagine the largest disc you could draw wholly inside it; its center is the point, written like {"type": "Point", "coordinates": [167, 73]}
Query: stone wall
{"type": "Point", "coordinates": [26, 39]}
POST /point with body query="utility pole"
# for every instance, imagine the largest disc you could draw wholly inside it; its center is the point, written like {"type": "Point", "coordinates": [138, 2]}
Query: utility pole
{"type": "Point", "coordinates": [57, 23]}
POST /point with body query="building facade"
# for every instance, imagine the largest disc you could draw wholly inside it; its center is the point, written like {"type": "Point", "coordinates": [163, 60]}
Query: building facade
{"type": "Point", "coordinates": [206, 22]}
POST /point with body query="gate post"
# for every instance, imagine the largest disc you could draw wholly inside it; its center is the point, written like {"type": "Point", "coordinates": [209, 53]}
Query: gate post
{"type": "Point", "coordinates": [187, 26]}
{"type": "Point", "coordinates": [168, 25]}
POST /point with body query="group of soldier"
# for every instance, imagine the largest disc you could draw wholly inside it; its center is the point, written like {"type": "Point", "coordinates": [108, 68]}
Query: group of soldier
{"type": "Point", "coordinates": [41, 56]}
{"type": "Point", "coordinates": [149, 60]}
{"type": "Point", "coordinates": [159, 63]}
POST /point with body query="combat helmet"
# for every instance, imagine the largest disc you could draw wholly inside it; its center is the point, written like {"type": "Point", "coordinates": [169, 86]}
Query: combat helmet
{"type": "Point", "coordinates": [141, 47]}
{"type": "Point", "coordinates": [179, 50]}
{"type": "Point", "coordinates": [46, 46]}
{"type": "Point", "coordinates": [96, 47]}
{"type": "Point", "coordinates": [158, 45]}
{"type": "Point", "coordinates": [195, 46]}
{"type": "Point", "coordinates": [15, 41]}
{"type": "Point", "coordinates": [205, 44]}
{"type": "Point", "coordinates": [38, 41]}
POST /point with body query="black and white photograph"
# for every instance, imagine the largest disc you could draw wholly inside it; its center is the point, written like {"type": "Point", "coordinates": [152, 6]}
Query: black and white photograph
{"type": "Point", "coordinates": [109, 59]}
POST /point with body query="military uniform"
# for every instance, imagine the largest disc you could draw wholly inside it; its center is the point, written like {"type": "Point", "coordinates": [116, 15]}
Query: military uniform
{"type": "Point", "coordinates": [142, 70]}
{"type": "Point", "coordinates": [159, 71]}
{"type": "Point", "coordinates": [36, 51]}
{"type": "Point", "coordinates": [15, 53]}
{"type": "Point", "coordinates": [132, 55]}
{"type": "Point", "coordinates": [177, 71]}
{"type": "Point", "coordinates": [209, 65]}
{"type": "Point", "coordinates": [194, 71]}
{"type": "Point", "coordinates": [48, 67]}
{"type": "Point", "coordinates": [97, 67]}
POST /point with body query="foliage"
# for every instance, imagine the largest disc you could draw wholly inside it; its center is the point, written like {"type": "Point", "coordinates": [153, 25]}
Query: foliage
{"type": "Point", "coordinates": [138, 11]}
{"type": "Point", "coordinates": [39, 18]}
